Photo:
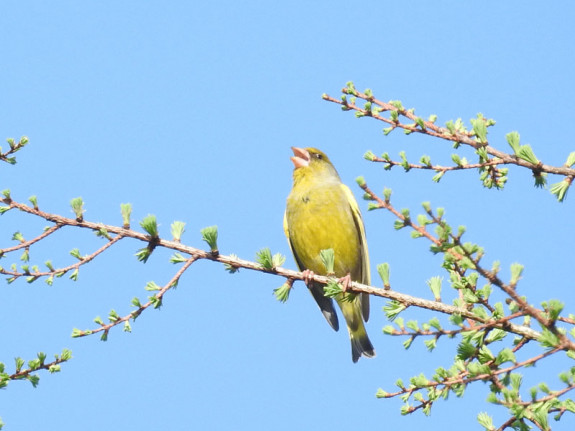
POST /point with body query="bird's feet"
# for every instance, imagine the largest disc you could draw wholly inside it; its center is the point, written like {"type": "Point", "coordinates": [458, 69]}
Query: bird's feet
{"type": "Point", "coordinates": [345, 282]}
{"type": "Point", "coordinates": [307, 277]}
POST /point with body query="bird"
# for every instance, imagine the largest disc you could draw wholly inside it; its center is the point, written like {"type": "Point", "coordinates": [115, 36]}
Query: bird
{"type": "Point", "coordinates": [321, 213]}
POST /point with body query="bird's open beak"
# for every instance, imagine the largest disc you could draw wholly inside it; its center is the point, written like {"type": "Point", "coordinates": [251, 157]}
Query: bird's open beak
{"type": "Point", "coordinates": [300, 158]}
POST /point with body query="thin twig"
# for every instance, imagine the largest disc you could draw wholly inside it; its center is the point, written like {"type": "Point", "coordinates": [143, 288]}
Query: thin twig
{"type": "Point", "coordinates": [432, 129]}
{"type": "Point", "coordinates": [406, 300]}
{"type": "Point", "coordinates": [26, 244]}
{"type": "Point", "coordinates": [158, 300]}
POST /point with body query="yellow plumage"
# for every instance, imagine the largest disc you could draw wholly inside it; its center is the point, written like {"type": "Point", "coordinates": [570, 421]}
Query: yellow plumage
{"type": "Point", "coordinates": [321, 213]}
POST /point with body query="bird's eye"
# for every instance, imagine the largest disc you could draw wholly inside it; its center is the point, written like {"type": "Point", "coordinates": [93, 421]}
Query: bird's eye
{"type": "Point", "coordinates": [319, 156]}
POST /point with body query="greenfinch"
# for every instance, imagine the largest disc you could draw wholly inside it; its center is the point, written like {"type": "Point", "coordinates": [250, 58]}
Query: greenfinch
{"type": "Point", "coordinates": [321, 214]}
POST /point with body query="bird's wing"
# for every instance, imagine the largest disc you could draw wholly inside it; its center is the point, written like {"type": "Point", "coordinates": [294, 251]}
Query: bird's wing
{"type": "Point", "coordinates": [365, 274]}
{"type": "Point", "coordinates": [325, 304]}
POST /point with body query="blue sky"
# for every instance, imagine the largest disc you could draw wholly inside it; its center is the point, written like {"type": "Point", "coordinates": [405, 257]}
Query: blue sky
{"type": "Point", "coordinates": [188, 111]}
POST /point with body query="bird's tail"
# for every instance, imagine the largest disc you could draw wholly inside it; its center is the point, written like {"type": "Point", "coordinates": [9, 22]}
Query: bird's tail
{"type": "Point", "coordinates": [360, 343]}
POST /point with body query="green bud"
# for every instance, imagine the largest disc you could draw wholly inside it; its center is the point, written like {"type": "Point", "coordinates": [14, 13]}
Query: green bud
{"type": "Point", "coordinates": [152, 286]}
{"type": "Point", "coordinates": [77, 205]}
{"type": "Point", "coordinates": [113, 316]}
{"type": "Point", "coordinates": [372, 206]}
{"type": "Point", "coordinates": [332, 289]}
{"type": "Point", "coordinates": [430, 344]}
{"type": "Point", "coordinates": [150, 225]}
{"type": "Point", "coordinates": [398, 224]}
{"type": "Point", "coordinates": [404, 162]}
{"type": "Point", "coordinates": [482, 153]}
{"type": "Point", "coordinates": [126, 210]}
{"type": "Point", "coordinates": [548, 339]}
{"type": "Point", "coordinates": [383, 270]}
{"type": "Point", "coordinates": [210, 236]}
{"type": "Point", "coordinates": [177, 258]}
{"type": "Point", "coordinates": [143, 254]}
{"type": "Point", "coordinates": [540, 179]}
{"type": "Point", "coordinates": [386, 194]}
{"type": "Point", "coordinates": [328, 259]}
{"type": "Point", "coordinates": [413, 325]}
{"type": "Point", "coordinates": [177, 229]}
{"type": "Point", "coordinates": [420, 122]}
{"type": "Point", "coordinates": [34, 201]}
{"type": "Point", "coordinates": [77, 333]}
{"type": "Point", "coordinates": [392, 310]}
{"type": "Point", "coordinates": [388, 329]}
{"type": "Point", "coordinates": [434, 284]}
{"type": "Point", "coordinates": [513, 141]}
{"type": "Point", "coordinates": [231, 268]}
{"type": "Point", "coordinates": [526, 153]}
{"type": "Point", "coordinates": [278, 259]}
{"type": "Point", "coordinates": [264, 258]}
{"type": "Point", "coordinates": [282, 292]}
{"type": "Point", "coordinates": [381, 393]}
{"type": "Point", "coordinates": [570, 160]}
{"type": "Point", "coordinates": [559, 190]}
{"type": "Point", "coordinates": [76, 253]}
{"type": "Point", "coordinates": [368, 155]}
{"type": "Point", "coordinates": [516, 271]}
{"type": "Point", "coordinates": [74, 276]}
{"type": "Point", "coordinates": [479, 128]}
{"type": "Point", "coordinates": [505, 355]}
{"type": "Point", "coordinates": [103, 232]}
{"type": "Point", "coordinates": [553, 308]}
{"type": "Point", "coordinates": [485, 421]}
{"type": "Point", "coordinates": [350, 88]}
{"type": "Point", "coordinates": [17, 236]}
{"type": "Point", "coordinates": [407, 343]}
{"type": "Point", "coordinates": [437, 177]}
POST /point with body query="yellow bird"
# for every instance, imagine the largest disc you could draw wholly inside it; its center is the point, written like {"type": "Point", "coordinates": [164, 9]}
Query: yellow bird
{"type": "Point", "coordinates": [321, 213]}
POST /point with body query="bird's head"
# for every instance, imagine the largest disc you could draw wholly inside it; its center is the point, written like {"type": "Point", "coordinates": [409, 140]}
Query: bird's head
{"type": "Point", "coordinates": [311, 162]}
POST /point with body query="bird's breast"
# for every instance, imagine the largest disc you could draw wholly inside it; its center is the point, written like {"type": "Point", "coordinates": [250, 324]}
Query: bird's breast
{"type": "Point", "coordinates": [321, 219]}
